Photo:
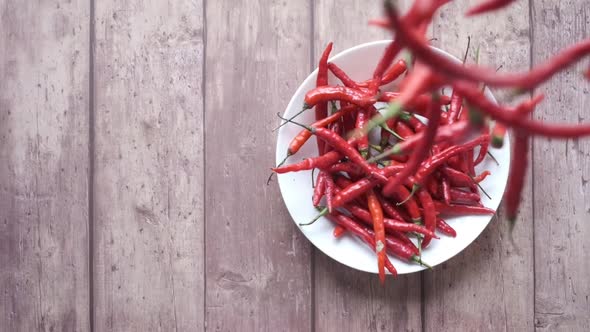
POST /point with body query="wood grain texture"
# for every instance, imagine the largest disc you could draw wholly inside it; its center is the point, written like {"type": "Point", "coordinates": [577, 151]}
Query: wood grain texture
{"type": "Point", "coordinates": [562, 171]}
{"type": "Point", "coordinates": [489, 286]}
{"type": "Point", "coordinates": [258, 263]}
{"type": "Point", "coordinates": [346, 299]}
{"type": "Point", "coordinates": [149, 166]}
{"type": "Point", "coordinates": [44, 282]}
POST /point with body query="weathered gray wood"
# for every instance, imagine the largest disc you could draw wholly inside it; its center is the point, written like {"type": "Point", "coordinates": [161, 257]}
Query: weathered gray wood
{"type": "Point", "coordinates": [488, 287]}
{"type": "Point", "coordinates": [149, 166]}
{"type": "Point", "coordinates": [44, 165]}
{"type": "Point", "coordinates": [346, 299]}
{"type": "Point", "coordinates": [258, 264]}
{"type": "Point", "coordinates": [562, 170]}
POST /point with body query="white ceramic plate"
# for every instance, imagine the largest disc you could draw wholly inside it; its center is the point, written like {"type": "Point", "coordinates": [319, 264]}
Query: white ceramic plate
{"type": "Point", "coordinates": [296, 188]}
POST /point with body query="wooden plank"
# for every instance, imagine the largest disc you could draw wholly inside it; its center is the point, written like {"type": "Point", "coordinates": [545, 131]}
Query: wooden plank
{"type": "Point", "coordinates": [562, 170]}
{"type": "Point", "coordinates": [149, 166]}
{"type": "Point", "coordinates": [346, 299]}
{"type": "Point", "coordinates": [44, 74]}
{"type": "Point", "coordinates": [258, 263]}
{"type": "Point", "coordinates": [488, 287]}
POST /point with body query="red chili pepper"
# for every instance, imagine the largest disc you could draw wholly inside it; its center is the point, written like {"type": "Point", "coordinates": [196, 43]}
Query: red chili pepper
{"type": "Point", "coordinates": [389, 209]}
{"type": "Point", "coordinates": [390, 53]}
{"type": "Point", "coordinates": [457, 178]}
{"type": "Point", "coordinates": [360, 187]}
{"type": "Point", "coordinates": [445, 228]}
{"type": "Point", "coordinates": [429, 212]}
{"type": "Point", "coordinates": [395, 71]}
{"type": "Point", "coordinates": [391, 225]}
{"type": "Point", "coordinates": [459, 196]}
{"type": "Point", "coordinates": [320, 162]}
{"type": "Point", "coordinates": [516, 175]}
{"type": "Point", "coordinates": [321, 109]}
{"type": "Point", "coordinates": [320, 189]}
{"type": "Point", "coordinates": [363, 233]}
{"type": "Point", "coordinates": [342, 76]}
{"type": "Point", "coordinates": [405, 240]}
{"type": "Point", "coordinates": [498, 133]}
{"type": "Point", "coordinates": [455, 109]}
{"type": "Point", "coordinates": [481, 177]}
{"type": "Point", "coordinates": [402, 194]}
{"type": "Point", "coordinates": [421, 152]}
{"type": "Point", "coordinates": [326, 93]}
{"type": "Point", "coordinates": [400, 249]}
{"type": "Point", "coordinates": [418, 105]}
{"type": "Point", "coordinates": [446, 189]}
{"type": "Point", "coordinates": [363, 143]}
{"type": "Point", "coordinates": [376, 215]}
{"type": "Point", "coordinates": [457, 210]}
{"type": "Point", "coordinates": [350, 168]}
{"type": "Point", "coordinates": [339, 231]}
{"type": "Point", "coordinates": [413, 40]}
{"type": "Point", "coordinates": [330, 191]}
{"type": "Point", "coordinates": [488, 5]}
{"type": "Point", "coordinates": [483, 151]}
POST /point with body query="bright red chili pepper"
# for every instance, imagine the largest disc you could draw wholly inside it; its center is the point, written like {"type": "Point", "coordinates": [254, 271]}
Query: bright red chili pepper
{"type": "Point", "coordinates": [389, 209]}
{"type": "Point", "coordinates": [481, 177]}
{"type": "Point", "coordinates": [455, 109]}
{"type": "Point", "coordinates": [459, 196]}
{"type": "Point", "coordinates": [363, 233]}
{"type": "Point", "coordinates": [446, 189]}
{"type": "Point", "coordinates": [360, 187]}
{"type": "Point", "coordinates": [320, 189]}
{"type": "Point", "coordinates": [363, 142]}
{"type": "Point", "coordinates": [320, 162]}
{"type": "Point", "coordinates": [376, 214]}
{"type": "Point", "coordinates": [391, 225]}
{"type": "Point", "coordinates": [342, 76]}
{"type": "Point", "coordinates": [400, 249]}
{"type": "Point", "coordinates": [321, 108]}
{"type": "Point", "coordinates": [342, 93]}
{"type": "Point", "coordinates": [330, 191]}
{"type": "Point", "coordinates": [445, 228]}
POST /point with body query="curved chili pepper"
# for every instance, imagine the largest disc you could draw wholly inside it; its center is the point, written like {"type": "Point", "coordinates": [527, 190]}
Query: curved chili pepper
{"type": "Point", "coordinates": [525, 81]}
{"type": "Point", "coordinates": [445, 228]}
{"type": "Point", "coordinates": [326, 93]}
{"type": "Point", "coordinates": [395, 71]}
{"type": "Point", "coordinates": [347, 167]}
{"type": "Point", "coordinates": [391, 225]}
{"type": "Point", "coordinates": [376, 216]}
{"type": "Point", "coordinates": [363, 233]}
{"type": "Point", "coordinates": [418, 105]}
{"type": "Point", "coordinates": [402, 194]}
{"type": "Point", "coordinates": [401, 250]}
{"type": "Point", "coordinates": [389, 209]}
{"type": "Point", "coordinates": [320, 189]}
{"type": "Point", "coordinates": [405, 240]}
{"type": "Point", "coordinates": [342, 76]}
{"type": "Point", "coordinates": [483, 151]}
{"type": "Point", "coordinates": [516, 175]}
{"type": "Point", "coordinates": [320, 162]}
{"type": "Point", "coordinates": [481, 177]}
{"type": "Point", "coordinates": [457, 210]}
{"type": "Point", "coordinates": [360, 187]}
{"type": "Point", "coordinates": [455, 109]}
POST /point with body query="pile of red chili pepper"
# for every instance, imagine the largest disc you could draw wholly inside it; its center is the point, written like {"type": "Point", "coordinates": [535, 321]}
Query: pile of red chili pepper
{"type": "Point", "coordinates": [401, 186]}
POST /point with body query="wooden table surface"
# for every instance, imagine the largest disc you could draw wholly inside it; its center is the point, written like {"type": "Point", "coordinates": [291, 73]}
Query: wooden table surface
{"type": "Point", "coordinates": [135, 142]}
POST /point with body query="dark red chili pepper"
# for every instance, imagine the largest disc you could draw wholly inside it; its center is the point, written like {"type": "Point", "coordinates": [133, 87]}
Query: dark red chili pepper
{"type": "Point", "coordinates": [404, 130]}
{"type": "Point", "coordinates": [418, 105]}
{"type": "Point", "coordinates": [363, 233]}
{"type": "Point", "coordinates": [400, 249]}
{"type": "Point", "coordinates": [390, 53]}
{"type": "Point", "coordinates": [350, 168]}
{"type": "Point", "coordinates": [516, 175]}
{"type": "Point", "coordinates": [482, 152]}
{"type": "Point", "coordinates": [342, 93]}
{"type": "Point", "coordinates": [405, 240]}
{"type": "Point", "coordinates": [389, 209]}
{"type": "Point", "coordinates": [402, 194]}
{"type": "Point", "coordinates": [457, 178]}
{"type": "Point", "coordinates": [342, 76]}
{"type": "Point", "coordinates": [320, 162]}
{"type": "Point", "coordinates": [395, 71]}
{"type": "Point", "coordinates": [445, 228]}
{"type": "Point", "coordinates": [389, 224]}
{"type": "Point", "coordinates": [320, 188]}
{"type": "Point", "coordinates": [339, 231]}
{"type": "Point", "coordinates": [457, 210]}
{"type": "Point", "coordinates": [455, 109]}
